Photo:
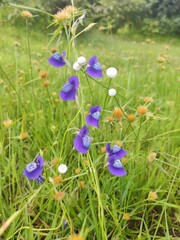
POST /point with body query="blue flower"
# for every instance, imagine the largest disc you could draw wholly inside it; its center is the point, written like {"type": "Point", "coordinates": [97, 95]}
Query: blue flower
{"type": "Point", "coordinates": [115, 166]}
{"type": "Point", "coordinates": [116, 150]}
{"type": "Point", "coordinates": [82, 141]}
{"type": "Point", "coordinates": [57, 60]}
{"type": "Point", "coordinates": [34, 170]}
{"type": "Point", "coordinates": [69, 89]}
{"type": "Point", "coordinates": [94, 68]}
{"type": "Point", "coordinates": [93, 118]}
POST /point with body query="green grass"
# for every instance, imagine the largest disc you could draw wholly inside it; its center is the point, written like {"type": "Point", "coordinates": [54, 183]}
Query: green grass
{"type": "Point", "coordinates": [97, 209]}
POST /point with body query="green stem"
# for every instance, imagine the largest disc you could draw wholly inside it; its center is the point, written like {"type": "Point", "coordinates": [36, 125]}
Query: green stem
{"type": "Point", "coordinates": [107, 93]}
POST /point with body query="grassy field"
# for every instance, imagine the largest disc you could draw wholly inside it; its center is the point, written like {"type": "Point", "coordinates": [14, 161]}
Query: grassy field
{"type": "Point", "coordinates": [142, 205]}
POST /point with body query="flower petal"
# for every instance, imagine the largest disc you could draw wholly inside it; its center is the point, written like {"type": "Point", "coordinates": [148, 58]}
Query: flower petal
{"type": "Point", "coordinates": [78, 144]}
{"type": "Point", "coordinates": [93, 72]}
{"type": "Point", "coordinates": [119, 172]}
{"type": "Point", "coordinates": [95, 109]}
{"type": "Point", "coordinates": [68, 95]}
{"type": "Point", "coordinates": [40, 161]}
{"type": "Point", "coordinates": [56, 60]}
{"type": "Point", "coordinates": [74, 81]}
{"type": "Point", "coordinates": [91, 121]}
{"type": "Point", "coordinates": [34, 174]}
{"type": "Point", "coordinates": [84, 131]}
{"type": "Point", "coordinates": [121, 153]}
{"type": "Point", "coordinates": [93, 60]}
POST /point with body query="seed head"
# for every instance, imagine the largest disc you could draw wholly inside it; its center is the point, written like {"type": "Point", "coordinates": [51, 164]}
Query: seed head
{"type": "Point", "coordinates": [8, 123]}
{"type": "Point", "coordinates": [152, 196]}
{"type": "Point", "coordinates": [117, 113]}
{"type": "Point", "coordinates": [43, 74]}
{"type": "Point", "coordinates": [152, 156]}
{"type": "Point", "coordinates": [23, 135]}
{"type": "Point", "coordinates": [126, 216]}
{"type": "Point", "coordinates": [59, 196]}
{"type": "Point", "coordinates": [26, 14]}
{"type": "Point", "coordinates": [57, 179]}
{"type": "Point", "coordinates": [142, 110]}
{"type": "Point", "coordinates": [131, 117]}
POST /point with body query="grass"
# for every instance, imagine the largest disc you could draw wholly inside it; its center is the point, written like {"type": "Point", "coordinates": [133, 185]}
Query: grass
{"type": "Point", "coordinates": [95, 201]}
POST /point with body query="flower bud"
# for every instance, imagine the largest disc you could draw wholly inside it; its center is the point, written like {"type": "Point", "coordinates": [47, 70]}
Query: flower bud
{"type": "Point", "coordinates": [112, 92]}
{"type": "Point", "coordinates": [76, 66]}
{"type": "Point", "coordinates": [81, 60]}
{"type": "Point", "coordinates": [111, 72]}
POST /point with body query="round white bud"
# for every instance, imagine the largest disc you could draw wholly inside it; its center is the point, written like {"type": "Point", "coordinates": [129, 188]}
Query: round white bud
{"type": "Point", "coordinates": [81, 60]}
{"type": "Point", "coordinates": [62, 168]}
{"type": "Point", "coordinates": [112, 92]}
{"type": "Point", "coordinates": [76, 66]}
{"type": "Point", "coordinates": [111, 72]}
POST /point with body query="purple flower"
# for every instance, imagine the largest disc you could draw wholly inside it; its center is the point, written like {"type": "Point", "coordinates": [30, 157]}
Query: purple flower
{"type": "Point", "coordinates": [57, 60]}
{"type": "Point", "coordinates": [115, 166]}
{"type": "Point", "coordinates": [93, 118]}
{"type": "Point", "coordinates": [115, 151]}
{"type": "Point", "coordinates": [34, 170]}
{"type": "Point", "coordinates": [69, 89]}
{"type": "Point", "coordinates": [94, 68]}
{"type": "Point", "coordinates": [82, 141]}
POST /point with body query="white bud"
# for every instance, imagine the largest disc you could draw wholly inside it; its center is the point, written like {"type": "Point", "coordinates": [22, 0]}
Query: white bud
{"type": "Point", "coordinates": [111, 72]}
{"type": "Point", "coordinates": [81, 60]}
{"type": "Point", "coordinates": [62, 168]}
{"type": "Point", "coordinates": [112, 92]}
{"type": "Point", "coordinates": [76, 66]}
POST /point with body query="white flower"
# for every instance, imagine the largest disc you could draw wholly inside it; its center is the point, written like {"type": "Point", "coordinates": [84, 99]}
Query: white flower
{"type": "Point", "coordinates": [62, 168]}
{"type": "Point", "coordinates": [111, 72]}
{"type": "Point", "coordinates": [112, 92]}
{"type": "Point", "coordinates": [81, 60]}
{"type": "Point", "coordinates": [76, 66]}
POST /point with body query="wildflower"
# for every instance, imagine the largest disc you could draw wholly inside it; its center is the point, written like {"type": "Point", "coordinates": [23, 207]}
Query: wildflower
{"type": "Point", "coordinates": [54, 162]}
{"type": "Point", "coordinates": [111, 72]}
{"type": "Point", "coordinates": [112, 92]}
{"type": "Point", "coordinates": [62, 168]}
{"type": "Point", "coordinates": [57, 60]}
{"type": "Point", "coordinates": [69, 89]}
{"type": "Point", "coordinates": [126, 216]}
{"type": "Point", "coordinates": [57, 179]}
{"type": "Point", "coordinates": [142, 110]}
{"type": "Point", "coordinates": [148, 99]}
{"type": "Point", "coordinates": [131, 117]}
{"type": "Point", "coordinates": [152, 196]}
{"type": "Point", "coordinates": [23, 135]}
{"type": "Point", "coordinates": [76, 237]}
{"type": "Point", "coordinates": [81, 60]}
{"type": "Point", "coordinates": [46, 83]}
{"type": "Point", "coordinates": [152, 156]}
{"type": "Point", "coordinates": [118, 113]}
{"type": "Point", "coordinates": [103, 149]}
{"type": "Point", "coordinates": [76, 66]}
{"type": "Point", "coordinates": [7, 123]}
{"type": "Point", "coordinates": [34, 170]}
{"type": "Point", "coordinates": [81, 184]}
{"type": "Point", "coordinates": [115, 166]}
{"type": "Point", "coordinates": [59, 195]}
{"type": "Point", "coordinates": [94, 68]}
{"type": "Point", "coordinates": [43, 74]}
{"type": "Point", "coordinates": [82, 141]}
{"type": "Point", "coordinates": [115, 151]}
{"type": "Point", "coordinates": [26, 14]}
{"type": "Point", "coordinates": [110, 119]}
{"type": "Point", "coordinates": [93, 118]}
{"type": "Point", "coordinates": [160, 59]}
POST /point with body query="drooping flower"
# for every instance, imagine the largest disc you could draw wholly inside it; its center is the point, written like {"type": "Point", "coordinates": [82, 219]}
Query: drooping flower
{"type": "Point", "coordinates": [57, 60]}
{"type": "Point", "coordinates": [111, 72]}
{"type": "Point", "coordinates": [34, 170]}
{"type": "Point", "coordinates": [115, 151]}
{"type": "Point", "coordinates": [115, 166]}
{"type": "Point", "coordinates": [69, 89]}
{"type": "Point", "coordinates": [93, 118]}
{"type": "Point", "coordinates": [94, 68]}
{"type": "Point", "coordinates": [82, 141]}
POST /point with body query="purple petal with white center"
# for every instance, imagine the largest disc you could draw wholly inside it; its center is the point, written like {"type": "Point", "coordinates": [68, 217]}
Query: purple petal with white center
{"type": "Point", "coordinates": [95, 109]}
{"type": "Point", "coordinates": [115, 151]}
{"type": "Point", "coordinates": [91, 121]}
{"type": "Point", "coordinates": [34, 174]}
{"type": "Point", "coordinates": [78, 144]}
{"type": "Point", "coordinates": [69, 89]}
{"type": "Point", "coordinates": [57, 60]}
{"type": "Point", "coordinates": [115, 166]}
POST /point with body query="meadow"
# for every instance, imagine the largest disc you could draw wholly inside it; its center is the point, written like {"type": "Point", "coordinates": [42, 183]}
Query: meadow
{"type": "Point", "coordinates": [87, 201]}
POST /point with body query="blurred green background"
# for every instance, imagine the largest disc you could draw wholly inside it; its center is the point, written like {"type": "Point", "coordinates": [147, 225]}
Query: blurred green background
{"type": "Point", "coordinates": [147, 17]}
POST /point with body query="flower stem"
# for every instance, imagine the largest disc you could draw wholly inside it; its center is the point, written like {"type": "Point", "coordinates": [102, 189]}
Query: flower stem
{"type": "Point", "coordinates": [107, 93]}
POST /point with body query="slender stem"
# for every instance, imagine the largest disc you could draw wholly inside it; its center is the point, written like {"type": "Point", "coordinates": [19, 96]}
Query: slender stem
{"type": "Point", "coordinates": [89, 86]}
{"type": "Point", "coordinates": [107, 93]}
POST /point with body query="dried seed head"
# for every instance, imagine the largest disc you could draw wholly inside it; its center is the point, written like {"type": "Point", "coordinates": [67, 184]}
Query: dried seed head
{"type": "Point", "coordinates": [117, 113]}
{"type": "Point", "coordinates": [142, 110]}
